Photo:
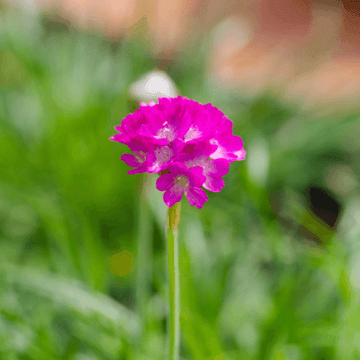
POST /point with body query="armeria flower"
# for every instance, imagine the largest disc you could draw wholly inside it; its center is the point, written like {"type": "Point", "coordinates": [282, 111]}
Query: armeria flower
{"type": "Point", "coordinates": [191, 145]}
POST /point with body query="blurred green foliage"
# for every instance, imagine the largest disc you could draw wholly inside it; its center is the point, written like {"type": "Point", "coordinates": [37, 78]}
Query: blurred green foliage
{"type": "Point", "coordinates": [262, 276]}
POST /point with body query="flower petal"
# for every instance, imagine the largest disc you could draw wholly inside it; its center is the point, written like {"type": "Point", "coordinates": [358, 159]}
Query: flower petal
{"type": "Point", "coordinates": [139, 146]}
{"type": "Point", "coordinates": [173, 195]}
{"type": "Point", "coordinates": [214, 184]}
{"type": "Point", "coordinates": [217, 167]}
{"type": "Point", "coordinates": [121, 138]}
{"type": "Point", "coordinates": [130, 159]}
{"type": "Point", "coordinates": [240, 154]}
{"type": "Point", "coordinates": [228, 147]}
{"type": "Point", "coordinates": [150, 133]}
{"type": "Point", "coordinates": [183, 158]}
{"type": "Point", "coordinates": [143, 104]}
{"type": "Point", "coordinates": [196, 177]}
{"type": "Point", "coordinates": [222, 152]}
{"type": "Point", "coordinates": [177, 146]}
{"type": "Point", "coordinates": [184, 124]}
{"type": "Point", "coordinates": [160, 159]}
{"type": "Point", "coordinates": [140, 169]}
{"type": "Point", "coordinates": [164, 181]}
{"type": "Point", "coordinates": [178, 168]}
{"type": "Point", "coordinates": [196, 197]}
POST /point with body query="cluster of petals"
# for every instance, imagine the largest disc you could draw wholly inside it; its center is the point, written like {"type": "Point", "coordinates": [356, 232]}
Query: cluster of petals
{"type": "Point", "coordinates": [189, 144]}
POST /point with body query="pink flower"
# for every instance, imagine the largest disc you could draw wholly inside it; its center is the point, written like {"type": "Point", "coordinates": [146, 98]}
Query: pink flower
{"type": "Point", "coordinates": [191, 142]}
{"type": "Point", "coordinates": [181, 180]}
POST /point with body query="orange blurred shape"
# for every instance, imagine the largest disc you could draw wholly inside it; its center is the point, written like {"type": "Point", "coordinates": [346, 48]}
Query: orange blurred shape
{"type": "Point", "coordinates": [110, 16]}
{"type": "Point", "coordinates": [121, 263]}
{"type": "Point", "coordinates": [169, 22]}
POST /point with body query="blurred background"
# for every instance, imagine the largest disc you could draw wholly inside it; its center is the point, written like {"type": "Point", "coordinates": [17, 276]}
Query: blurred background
{"type": "Point", "coordinates": [270, 267]}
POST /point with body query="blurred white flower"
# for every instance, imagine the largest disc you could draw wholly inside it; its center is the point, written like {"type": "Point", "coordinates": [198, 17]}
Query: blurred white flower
{"type": "Point", "coordinates": [152, 86]}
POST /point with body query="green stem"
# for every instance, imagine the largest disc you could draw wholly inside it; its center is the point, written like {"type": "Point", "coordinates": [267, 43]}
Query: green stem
{"type": "Point", "coordinates": [173, 273]}
{"type": "Point", "coordinates": [144, 256]}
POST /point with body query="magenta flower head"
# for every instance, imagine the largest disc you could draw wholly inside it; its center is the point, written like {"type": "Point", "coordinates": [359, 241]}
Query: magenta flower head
{"type": "Point", "coordinates": [189, 144]}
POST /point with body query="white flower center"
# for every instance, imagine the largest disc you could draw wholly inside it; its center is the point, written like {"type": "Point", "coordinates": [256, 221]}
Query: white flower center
{"type": "Point", "coordinates": [199, 161]}
{"type": "Point", "coordinates": [166, 132]}
{"type": "Point", "coordinates": [193, 133]}
{"type": "Point", "coordinates": [163, 154]}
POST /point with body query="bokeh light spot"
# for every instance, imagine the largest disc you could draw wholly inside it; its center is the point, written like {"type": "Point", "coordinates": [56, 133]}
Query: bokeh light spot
{"type": "Point", "coordinates": [121, 263]}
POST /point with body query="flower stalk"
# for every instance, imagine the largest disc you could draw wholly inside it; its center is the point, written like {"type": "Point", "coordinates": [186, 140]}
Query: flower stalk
{"type": "Point", "coordinates": [144, 255]}
{"type": "Point", "coordinates": [174, 286]}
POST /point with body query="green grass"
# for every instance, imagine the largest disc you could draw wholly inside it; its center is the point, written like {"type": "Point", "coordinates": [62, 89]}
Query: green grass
{"type": "Point", "coordinates": [254, 283]}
